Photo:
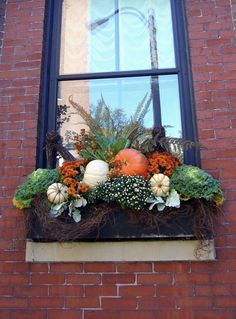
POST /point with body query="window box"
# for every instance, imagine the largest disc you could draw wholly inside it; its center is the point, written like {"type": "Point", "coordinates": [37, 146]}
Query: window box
{"type": "Point", "coordinates": [187, 222]}
{"type": "Point", "coordinates": [122, 207]}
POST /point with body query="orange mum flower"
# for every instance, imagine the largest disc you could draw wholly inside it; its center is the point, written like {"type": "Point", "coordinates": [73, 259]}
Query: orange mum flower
{"type": "Point", "coordinates": [69, 167]}
{"type": "Point", "coordinates": [162, 162]}
{"type": "Point", "coordinates": [72, 191]}
{"type": "Point", "coordinates": [69, 171]}
{"type": "Point", "coordinates": [83, 188]}
{"type": "Point", "coordinates": [68, 181]}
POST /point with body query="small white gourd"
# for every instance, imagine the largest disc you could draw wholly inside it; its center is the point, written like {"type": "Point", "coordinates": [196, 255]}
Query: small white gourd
{"type": "Point", "coordinates": [57, 193]}
{"type": "Point", "coordinates": [96, 172]}
{"type": "Point", "coordinates": [160, 184]}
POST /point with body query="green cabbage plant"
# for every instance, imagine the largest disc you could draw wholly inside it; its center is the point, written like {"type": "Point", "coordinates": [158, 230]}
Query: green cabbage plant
{"type": "Point", "coordinates": [193, 182]}
{"type": "Point", "coordinates": [36, 183]}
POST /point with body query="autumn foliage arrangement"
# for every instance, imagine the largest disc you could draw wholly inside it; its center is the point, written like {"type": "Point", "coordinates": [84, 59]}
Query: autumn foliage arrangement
{"type": "Point", "coordinates": [131, 169]}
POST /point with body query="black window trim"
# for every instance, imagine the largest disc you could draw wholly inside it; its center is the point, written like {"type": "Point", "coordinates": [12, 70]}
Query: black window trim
{"type": "Point", "coordinates": [50, 76]}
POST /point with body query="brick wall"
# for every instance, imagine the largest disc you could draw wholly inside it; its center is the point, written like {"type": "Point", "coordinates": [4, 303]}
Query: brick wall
{"type": "Point", "coordinates": [2, 21]}
{"type": "Point", "coordinates": [233, 12]}
{"type": "Point", "coordinates": [186, 290]}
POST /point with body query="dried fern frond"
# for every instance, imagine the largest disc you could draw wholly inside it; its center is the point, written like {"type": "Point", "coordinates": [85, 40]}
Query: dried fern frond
{"type": "Point", "coordinates": [98, 112]}
{"type": "Point", "coordinates": [89, 120]}
{"type": "Point", "coordinates": [159, 142]}
{"type": "Point", "coordinates": [130, 131]}
{"type": "Point", "coordinates": [142, 109]}
{"type": "Point", "coordinates": [145, 109]}
{"type": "Point", "coordinates": [106, 117]}
{"type": "Point", "coordinates": [114, 123]}
{"type": "Point", "coordinates": [139, 108]}
{"type": "Point", "coordinates": [177, 145]}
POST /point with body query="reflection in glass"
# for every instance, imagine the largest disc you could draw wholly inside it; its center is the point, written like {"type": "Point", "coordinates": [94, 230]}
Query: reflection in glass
{"type": "Point", "coordinates": [170, 105]}
{"type": "Point", "coordinates": [119, 35]}
{"type": "Point", "coordinates": [123, 94]}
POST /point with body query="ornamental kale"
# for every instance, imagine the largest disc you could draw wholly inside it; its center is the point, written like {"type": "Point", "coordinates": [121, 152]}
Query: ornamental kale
{"type": "Point", "coordinates": [36, 183]}
{"type": "Point", "coordinates": [193, 182]}
{"type": "Point", "coordinates": [128, 191]}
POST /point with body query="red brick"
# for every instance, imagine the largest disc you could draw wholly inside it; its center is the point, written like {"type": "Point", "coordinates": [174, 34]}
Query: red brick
{"type": "Point", "coordinates": [208, 267]}
{"type": "Point", "coordinates": [6, 314]}
{"type": "Point", "coordinates": [134, 267]}
{"type": "Point", "coordinates": [46, 302]}
{"type": "Point", "coordinates": [214, 290]}
{"type": "Point", "coordinates": [118, 279]}
{"type": "Point", "coordinates": [9, 302]}
{"type": "Point", "coordinates": [34, 291]}
{"type": "Point", "coordinates": [225, 302]}
{"type": "Point", "coordinates": [5, 245]}
{"type": "Point", "coordinates": [66, 290]}
{"type": "Point", "coordinates": [192, 278]}
{"type": "Point", "coordinates": [118, 303]}
{"type": "Point", "coordinates": [232, 265]}
{"type": "Point", "coordinates": [202, 19]}
{"type": "Point", "coordinates": [42, 268]}
{"type": "Point", "coordinates": [154, 278]}
{"type": "Point", "coordinates": [48, 279]}
{"type": "Point", "coordinates": [66, 267]}
{"type": "Point", "coordinates": [195, 13]}
{"type": "Point", "coordinates": [172, 267]}
{"type": "Point", "coordinates": [85, 302]}
{"type": "Point", "coordinates": [136, 291]}
{"type": "Point", "coordinates": [28, 314]}
{"type": "Point", "coordinates": [102, 290]}
{"type": "Point", "coordinates": [231, 133]}
{"type": "Point", "coordinates": [108, 314]}
{"type": "Point", "coordinates": [215, 124]}
{"type": "Point", "coordinates": [219, 277]}
{"type": "Point", "coordinates": [64, 314]}
{"type": "Point", "coordinates": [19, 267]}
{"type": "Point", "coordinates": [230, 75]}
{"type": "Point", "coordinates": [207, 134]}
{"type": "Point", "coordinates": [156, 303]}
{"type": "Point", "coordinates": [13, 279]}
{"type": "Point", "coordinates": [217, 42]}
{"type": "Point", "coordinates": [83, 279]}
{"type": "Point", "coordinates": [194, 302]}
{"type": "Point", "coordinates": [100, 267]}
{"type": "Point", "coordinates": [174, 291]}
{"type": "Point", "coordinates": [6, 291]}
{"type": "Point", "coordinates": [206, 314]}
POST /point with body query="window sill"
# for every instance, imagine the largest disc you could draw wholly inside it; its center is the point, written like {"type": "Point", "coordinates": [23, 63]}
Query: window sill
{"type": "Point", "coordinates": [153, 250]}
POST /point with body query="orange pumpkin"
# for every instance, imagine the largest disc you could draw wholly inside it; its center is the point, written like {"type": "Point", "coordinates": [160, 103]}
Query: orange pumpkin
{"type": "Point", "coordinates": [132, 162]}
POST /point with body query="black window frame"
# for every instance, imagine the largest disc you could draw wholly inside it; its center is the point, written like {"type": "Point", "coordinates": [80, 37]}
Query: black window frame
{"type": "Point", "coordinates": [50, 77]}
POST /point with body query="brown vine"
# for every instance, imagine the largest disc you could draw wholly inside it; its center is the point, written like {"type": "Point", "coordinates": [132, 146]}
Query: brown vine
{"type": "Point", "coordinates": [38, 220]}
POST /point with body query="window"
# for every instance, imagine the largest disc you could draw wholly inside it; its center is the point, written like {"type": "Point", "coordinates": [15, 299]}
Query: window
{"type": "Point", "coordinates": [120, 51]}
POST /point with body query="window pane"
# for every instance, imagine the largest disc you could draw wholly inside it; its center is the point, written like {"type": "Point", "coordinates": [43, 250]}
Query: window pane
{"type": "Point", "coordinates": [116, 35]}
{"type": "Point", "coordinates": [121, 95]}
{"type": "Point", "coordinates": [170, 105]}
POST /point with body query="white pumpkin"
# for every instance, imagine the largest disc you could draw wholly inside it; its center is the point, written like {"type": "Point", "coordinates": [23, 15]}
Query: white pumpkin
{"type": "Point", "coordinates": [160, 184]}
{"type": "Point", "coordinates": [57, 193]}
{"type": "Point", "coordinates": [96, 172]}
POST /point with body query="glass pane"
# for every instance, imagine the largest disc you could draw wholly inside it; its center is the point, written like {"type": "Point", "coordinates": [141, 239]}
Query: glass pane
{"type": "Point", "coordinates": [116, 35]}
{"type": "Point", "coordinates": [170, 105]}
{"type": "Point", "coordinates": [122, 96]}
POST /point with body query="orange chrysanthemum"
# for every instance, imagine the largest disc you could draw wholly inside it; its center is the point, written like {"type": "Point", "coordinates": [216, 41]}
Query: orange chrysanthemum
{"type": "Point", "coordinates": [72, 191]}
{"type": "Point", "coordinates": [68, 181]}
{"type": "Point", "coordinates": [83, 188]}
{"type": "Point", "coordinates": [162, 162]}
{"type": "Point", "coordinates": [69, 171]}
